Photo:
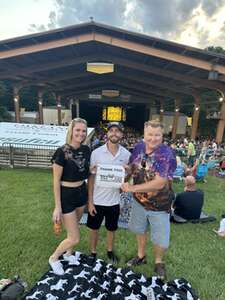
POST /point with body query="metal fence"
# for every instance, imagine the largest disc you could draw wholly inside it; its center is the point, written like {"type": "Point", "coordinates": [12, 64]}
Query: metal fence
{"type": "Point", "coordinates": [26, 155]}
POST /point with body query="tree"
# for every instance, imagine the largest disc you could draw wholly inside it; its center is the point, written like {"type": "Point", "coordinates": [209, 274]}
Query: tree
{"type": "Point", "coordinates": [3, 88]}
{"type": "Point", "coordinates": [4, 115]}
{"type": "Point", "coordinates": [216, 49]}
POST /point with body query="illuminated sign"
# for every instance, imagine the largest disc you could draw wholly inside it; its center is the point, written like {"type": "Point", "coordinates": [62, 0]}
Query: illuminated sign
{"type": "Point", "coordinates": [113, 113]}
{"type": "Point", "coordinates": [189, 121]}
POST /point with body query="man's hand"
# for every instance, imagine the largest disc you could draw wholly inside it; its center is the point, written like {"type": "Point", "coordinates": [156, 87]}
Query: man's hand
{"type": "Point", "coordinates": [92, 209]}
{"type": "Point", "coordinates": [127, 168]}
{"type": "Point", "coordinates": [126, 187]}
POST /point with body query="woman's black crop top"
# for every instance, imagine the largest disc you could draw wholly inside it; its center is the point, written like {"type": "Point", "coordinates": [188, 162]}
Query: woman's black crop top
{"type": "Point", "coordinates": [75, 162]}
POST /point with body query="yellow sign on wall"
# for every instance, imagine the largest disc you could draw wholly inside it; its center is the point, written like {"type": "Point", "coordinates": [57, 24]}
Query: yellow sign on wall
{"type": "Point", "coordinates": [114, 113]}
{"type": "Point", "coordinates": [189, 121]}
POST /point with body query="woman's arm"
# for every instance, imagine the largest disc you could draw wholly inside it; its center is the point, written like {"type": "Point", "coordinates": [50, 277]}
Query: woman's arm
{"type": "Point", "coordinates": [57, 174]}
{"type": "Point", "coordinates": [91, 207]}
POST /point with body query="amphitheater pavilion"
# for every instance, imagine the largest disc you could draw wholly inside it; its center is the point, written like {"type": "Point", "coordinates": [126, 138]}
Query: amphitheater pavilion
{"type": "Point", "coordinates": [134, 68]}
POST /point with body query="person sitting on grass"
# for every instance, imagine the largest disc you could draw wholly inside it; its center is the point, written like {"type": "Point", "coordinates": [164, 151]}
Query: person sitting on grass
{"type": "Point", "coordinates": [181, 169]}
{"type": "Point", "coordinates": [221, 230]}
{"type": "Point", "coordinates": [222, 164]}
{"type": "Point", "coordinates": [188, 204]}
{"type": "Point", "coordinates": [200, 170]}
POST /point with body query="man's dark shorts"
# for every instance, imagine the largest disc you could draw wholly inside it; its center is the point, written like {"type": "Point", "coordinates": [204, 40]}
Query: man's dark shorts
{"type": "Point", "coordinates": [111, 214]}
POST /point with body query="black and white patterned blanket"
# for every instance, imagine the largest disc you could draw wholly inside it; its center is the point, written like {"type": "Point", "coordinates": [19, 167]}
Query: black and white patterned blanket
{"type": "Point", "coordinates": [96, 280]}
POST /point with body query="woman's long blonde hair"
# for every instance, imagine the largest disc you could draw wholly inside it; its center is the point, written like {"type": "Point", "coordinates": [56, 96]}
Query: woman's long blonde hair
{"type": "Point", "coordinates": [69, 133]}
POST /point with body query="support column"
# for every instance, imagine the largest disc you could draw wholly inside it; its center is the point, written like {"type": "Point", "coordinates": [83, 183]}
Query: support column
{"type": "Point", "coordinates": [16, 99]}
{"type": "Point", "coordinates": [59, 109]}
{"type": "Point", "coordinates": [221, 124]}
{"type": "Point", "coordinates": [77, 103]}
{"type": "Point", "coordinates": [195, 116]}
{"type": "Point", "coordinates": [176, 118]}
{"type": "Point", "coordinates": [148, 112]}
{"type": "Point", "coordinates": [161, 112]}
{"type": "Point", "coordinates": [71, 104]}
{"type": "Point", "coordinates": [40, 107]}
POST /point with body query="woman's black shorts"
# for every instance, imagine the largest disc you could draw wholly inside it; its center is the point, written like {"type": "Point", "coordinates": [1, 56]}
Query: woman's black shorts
{"type": "Point", "coordinates": [73, 197]}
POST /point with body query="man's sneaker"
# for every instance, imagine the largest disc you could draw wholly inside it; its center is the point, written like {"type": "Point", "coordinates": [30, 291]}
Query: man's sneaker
{"type": "Point", "coordinates": [160, 271]}
{"type": "Point", "coordinates": [113, 259]}
{"type": "Point", "coordinates": [72, 260]}
{"type": "Point", "coordinates": [56, 266]}
{"type": "Point", "coordinates": [137, 261]}
{"type": "Point", "coordinates": [93, 255]}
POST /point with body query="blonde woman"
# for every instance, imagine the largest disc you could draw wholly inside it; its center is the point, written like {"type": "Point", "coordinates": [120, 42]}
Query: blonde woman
{"type": "Point", "coordinates": [70, 169]}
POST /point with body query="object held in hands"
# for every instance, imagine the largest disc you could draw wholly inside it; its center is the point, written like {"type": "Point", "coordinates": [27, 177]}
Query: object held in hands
{"type": "Point", "coordinates": [110, 176]}
{"type": "Point", "coordinates": [57, 228]}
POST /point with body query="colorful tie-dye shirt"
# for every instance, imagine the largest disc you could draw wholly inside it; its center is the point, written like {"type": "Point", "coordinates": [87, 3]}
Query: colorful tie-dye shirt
{"type": "Point", "coordinates": [144, 167]}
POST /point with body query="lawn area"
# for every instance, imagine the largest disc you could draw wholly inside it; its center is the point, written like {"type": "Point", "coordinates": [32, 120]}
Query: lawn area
{"type": "Point", "coordinates": [27, 240]}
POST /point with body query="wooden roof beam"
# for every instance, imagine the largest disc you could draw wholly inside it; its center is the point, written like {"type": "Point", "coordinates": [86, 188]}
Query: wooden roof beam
{"type": "Point", "coordinates": [156, 83]}
{"type": "Point", "coordinates": [115, 80]}
{"type": "Point", "coordinates": [117, 42]}
{"type": "Point", "coordinates": [165, 73]}
{"type": "Point", "coordinates": [48, 66]}
{"type": "Point", "coordinates": [117, 83]}
{"type": "Point", "coordinates": [130, 86]}
{"type": "Point", "coordinates": [99, 89]}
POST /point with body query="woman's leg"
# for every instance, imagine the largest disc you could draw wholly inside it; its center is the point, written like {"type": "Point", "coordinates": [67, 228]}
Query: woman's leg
{"type": "Point", "coordinates": [79, 213]}
{"type": "Point", "coordinates": [73, 235]}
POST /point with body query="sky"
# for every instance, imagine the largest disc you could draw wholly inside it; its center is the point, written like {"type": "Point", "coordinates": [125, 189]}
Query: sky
{"type": "Point", "coordinates": [197, 23]}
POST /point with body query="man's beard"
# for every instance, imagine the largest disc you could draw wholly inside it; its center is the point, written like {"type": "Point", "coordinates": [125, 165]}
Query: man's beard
{"type": "Point", "coordinates": [114, 141]}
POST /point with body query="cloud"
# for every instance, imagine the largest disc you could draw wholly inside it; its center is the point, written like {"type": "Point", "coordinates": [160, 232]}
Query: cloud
{"type": "Point", "coordinates": [193, 22]}
{"type": "Point", "coordinates": [76, 11]}
{"type": "Point", "coordinates": [211, 6]}
{"type": "Point", "coordinates": [203, 31]}
{"type": "Point", "coordinates": [163, 16]}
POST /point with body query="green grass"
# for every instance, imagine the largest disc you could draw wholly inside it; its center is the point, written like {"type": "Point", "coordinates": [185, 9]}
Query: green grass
{"type": "Point", "coordinates": [27, 240]}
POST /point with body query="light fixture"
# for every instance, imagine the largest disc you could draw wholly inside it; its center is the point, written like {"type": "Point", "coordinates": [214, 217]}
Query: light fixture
{"type": "Point", "coordinates": [100, 67]}
{"type": "Point", "coordinates": [213, 75]}
{"type": "Point", "coordinates": [59, 105]}
{"type": "Point", "coordinates": [161, 110]}
{"type": "Point", "coordinates": [40, 102]}
{"type": "Point", "coordinates": [196, 108]}
{"type": "Point", "coordinates": [125, 98]}
{"type": "Point", "coordinates": [15, 99]}
{"type": "Point", "coordinates": [177, 109]}
{"type": "Point", "coordinates": [110, 93]}
{"type": "Point", "coordinates": [94, 96]}
{"type": "Point", "coordinates": [221, 99]}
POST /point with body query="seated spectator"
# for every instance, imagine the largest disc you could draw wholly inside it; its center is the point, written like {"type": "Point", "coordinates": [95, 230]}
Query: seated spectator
{"type": "Point", "coordinates": [212, 163]}
{"type": "Point", "coordinates": [200, 170]}
{"type": "Point", "coordinates": [180, 169]}
{"type": "Point", "coordinates": [221, 230]}
{"type": "Point", "coordinates": [188, 204]}
{"type": "Point", "coordinates": [222, 164]}
{"type": "Point", "coordinates": [96, 143]}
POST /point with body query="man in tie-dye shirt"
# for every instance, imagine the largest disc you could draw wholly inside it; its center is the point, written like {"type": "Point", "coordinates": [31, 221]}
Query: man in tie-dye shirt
{"type": "Point", "coordinates": [151, 169]}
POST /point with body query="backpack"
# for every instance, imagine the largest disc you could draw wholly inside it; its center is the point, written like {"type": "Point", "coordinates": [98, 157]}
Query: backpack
{"type": "Point", "coordinates": [13, 289]}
